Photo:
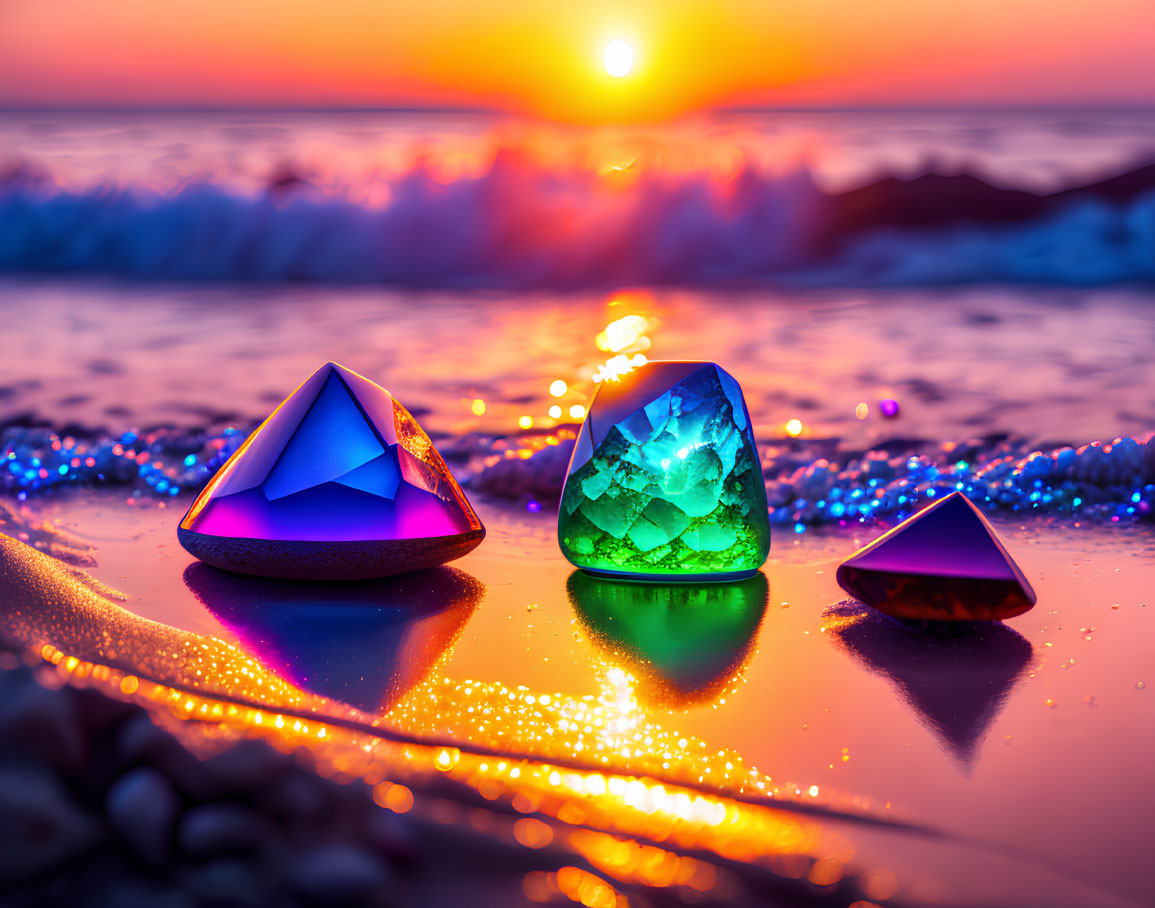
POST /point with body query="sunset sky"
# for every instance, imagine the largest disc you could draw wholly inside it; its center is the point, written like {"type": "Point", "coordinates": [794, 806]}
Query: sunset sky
{"type": "Point", "coordinates": [546, 58]}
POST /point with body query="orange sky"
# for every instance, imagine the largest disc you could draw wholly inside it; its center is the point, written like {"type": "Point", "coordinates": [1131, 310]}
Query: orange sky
{"type": "Point", "coordinates": [545, 57]}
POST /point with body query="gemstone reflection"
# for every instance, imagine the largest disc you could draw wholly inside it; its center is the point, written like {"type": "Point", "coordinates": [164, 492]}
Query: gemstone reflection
{"type": "Point", "coordinates": [684, 642]}
{"type": "Point", "coordinates": [956, 682]}
{"type": "Point", "coordinates": [365, 643]}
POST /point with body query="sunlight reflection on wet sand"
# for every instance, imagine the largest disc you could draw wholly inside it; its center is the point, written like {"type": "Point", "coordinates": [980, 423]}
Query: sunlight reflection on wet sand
{"type": "Point", "coordinates": [592, 766]}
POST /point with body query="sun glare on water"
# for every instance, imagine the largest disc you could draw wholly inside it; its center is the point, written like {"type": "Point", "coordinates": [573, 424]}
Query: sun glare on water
{"type": "Point", "coordinates": [618, 58]}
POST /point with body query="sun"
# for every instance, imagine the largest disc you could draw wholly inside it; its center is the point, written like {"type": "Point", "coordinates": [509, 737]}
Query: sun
{"type": "Point", "coordinates": [618, 58]}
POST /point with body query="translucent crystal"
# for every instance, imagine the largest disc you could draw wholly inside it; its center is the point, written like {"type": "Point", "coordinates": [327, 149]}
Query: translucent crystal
{"type": "Point", "coordinates": [339, 461]}
{"type": "Point", "coordinates": [665, 479]}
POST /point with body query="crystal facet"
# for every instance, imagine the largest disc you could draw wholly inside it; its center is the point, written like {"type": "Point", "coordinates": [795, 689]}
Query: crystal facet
{"type": "Point", "coordinates": [943, 564]}
{"type": "Point", "coordinates": [338, 483]}
{"type": "Point", "coordinates": [684, 642]}
{"type": "Point", "coordinates": [665, 480]}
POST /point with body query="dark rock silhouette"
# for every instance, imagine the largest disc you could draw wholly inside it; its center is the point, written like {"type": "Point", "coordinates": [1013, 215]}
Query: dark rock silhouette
{"type": "Point", "coordinates": [936, 199]}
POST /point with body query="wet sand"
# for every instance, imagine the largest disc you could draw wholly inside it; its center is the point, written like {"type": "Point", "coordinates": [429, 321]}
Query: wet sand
{"type": "Point", "coordinates": [1024, 743]}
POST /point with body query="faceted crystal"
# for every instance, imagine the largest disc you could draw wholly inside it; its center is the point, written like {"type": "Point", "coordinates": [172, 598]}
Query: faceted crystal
{"type": "Point", "coordinates": [338, 483]}
{"type": "Point", "coordinates": [665, 479]}
{"type": "Point", "coordinates": [684, 642]}
{"type": "Point", "coordinates": [943, 564]}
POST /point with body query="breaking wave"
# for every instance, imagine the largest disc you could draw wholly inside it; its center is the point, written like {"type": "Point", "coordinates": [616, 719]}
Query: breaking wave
{"type": "Point", "coordinates": [522, 224]}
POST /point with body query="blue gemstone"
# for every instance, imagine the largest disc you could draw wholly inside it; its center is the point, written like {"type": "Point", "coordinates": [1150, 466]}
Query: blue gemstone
{"type": "Point", "coordinates": [338, 483]}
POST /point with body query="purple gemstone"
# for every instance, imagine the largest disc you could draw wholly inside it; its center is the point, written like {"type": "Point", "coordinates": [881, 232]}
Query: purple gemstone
{"type": "Point", "coordinates": [339, 482]}
{"type": "Point", "coordinates": [888, 408]}
{"type": "Point", "coordinates": [943, 564]}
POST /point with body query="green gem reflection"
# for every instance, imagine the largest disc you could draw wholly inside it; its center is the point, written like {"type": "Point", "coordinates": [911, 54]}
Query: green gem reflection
{"type": "Point", "coordinates": [684, 642]}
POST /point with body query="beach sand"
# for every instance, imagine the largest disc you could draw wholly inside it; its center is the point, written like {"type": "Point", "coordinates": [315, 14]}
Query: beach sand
{"type": "Point", "coordinates": [947, 744]}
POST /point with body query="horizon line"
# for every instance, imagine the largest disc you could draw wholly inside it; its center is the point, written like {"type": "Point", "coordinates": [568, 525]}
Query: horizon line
{"type": "Point", "coordinates": [433, 109]}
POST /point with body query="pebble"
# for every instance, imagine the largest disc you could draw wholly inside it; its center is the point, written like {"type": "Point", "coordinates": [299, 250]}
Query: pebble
{"type": "Point", "coordinates": [296, 795]}
{"type": "Point", "coordinates": [98, 712]}
{"type": "Point", "coordinates": [340, 873]}
{"type": "Point", "coordinates": [112, 833]}
{"type": "Point", "coordinates": [393, 835]}
{"type": "Point", "coordinates": [142, 807]}
{"type": "Point", "coordinates": [144, 894]}
{"type": "Point", "coordinates": [229, 883]}
{"type": "Point", "coordinates": [244, 767]}
{"type": "Point", "coordinates": [44, 724]}
{"type": "Point", "coordinates": [142, 742]}
{"type": "Point", "coordinates": [210, 830]}
{"type": "Point", "coordinates": [41, 828]}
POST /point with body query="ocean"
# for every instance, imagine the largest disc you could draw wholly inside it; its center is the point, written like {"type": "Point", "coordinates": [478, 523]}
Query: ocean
{"type": "Point", "coordinates": [472, 201]}
{"type": "Point", "coordinates": [825, 257]}
{"type": "Point", "coordinates": [913, 302]}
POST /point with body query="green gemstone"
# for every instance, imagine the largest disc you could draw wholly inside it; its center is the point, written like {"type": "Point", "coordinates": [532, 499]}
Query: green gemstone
{"type": "Point", "coordinates": [665, 479]}
{"type": "Point", "coordinates": [684, 642]}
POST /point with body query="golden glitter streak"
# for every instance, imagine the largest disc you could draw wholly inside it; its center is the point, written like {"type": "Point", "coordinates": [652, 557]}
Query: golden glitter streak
{"type": "Point", "coordinates": [642, 825]}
